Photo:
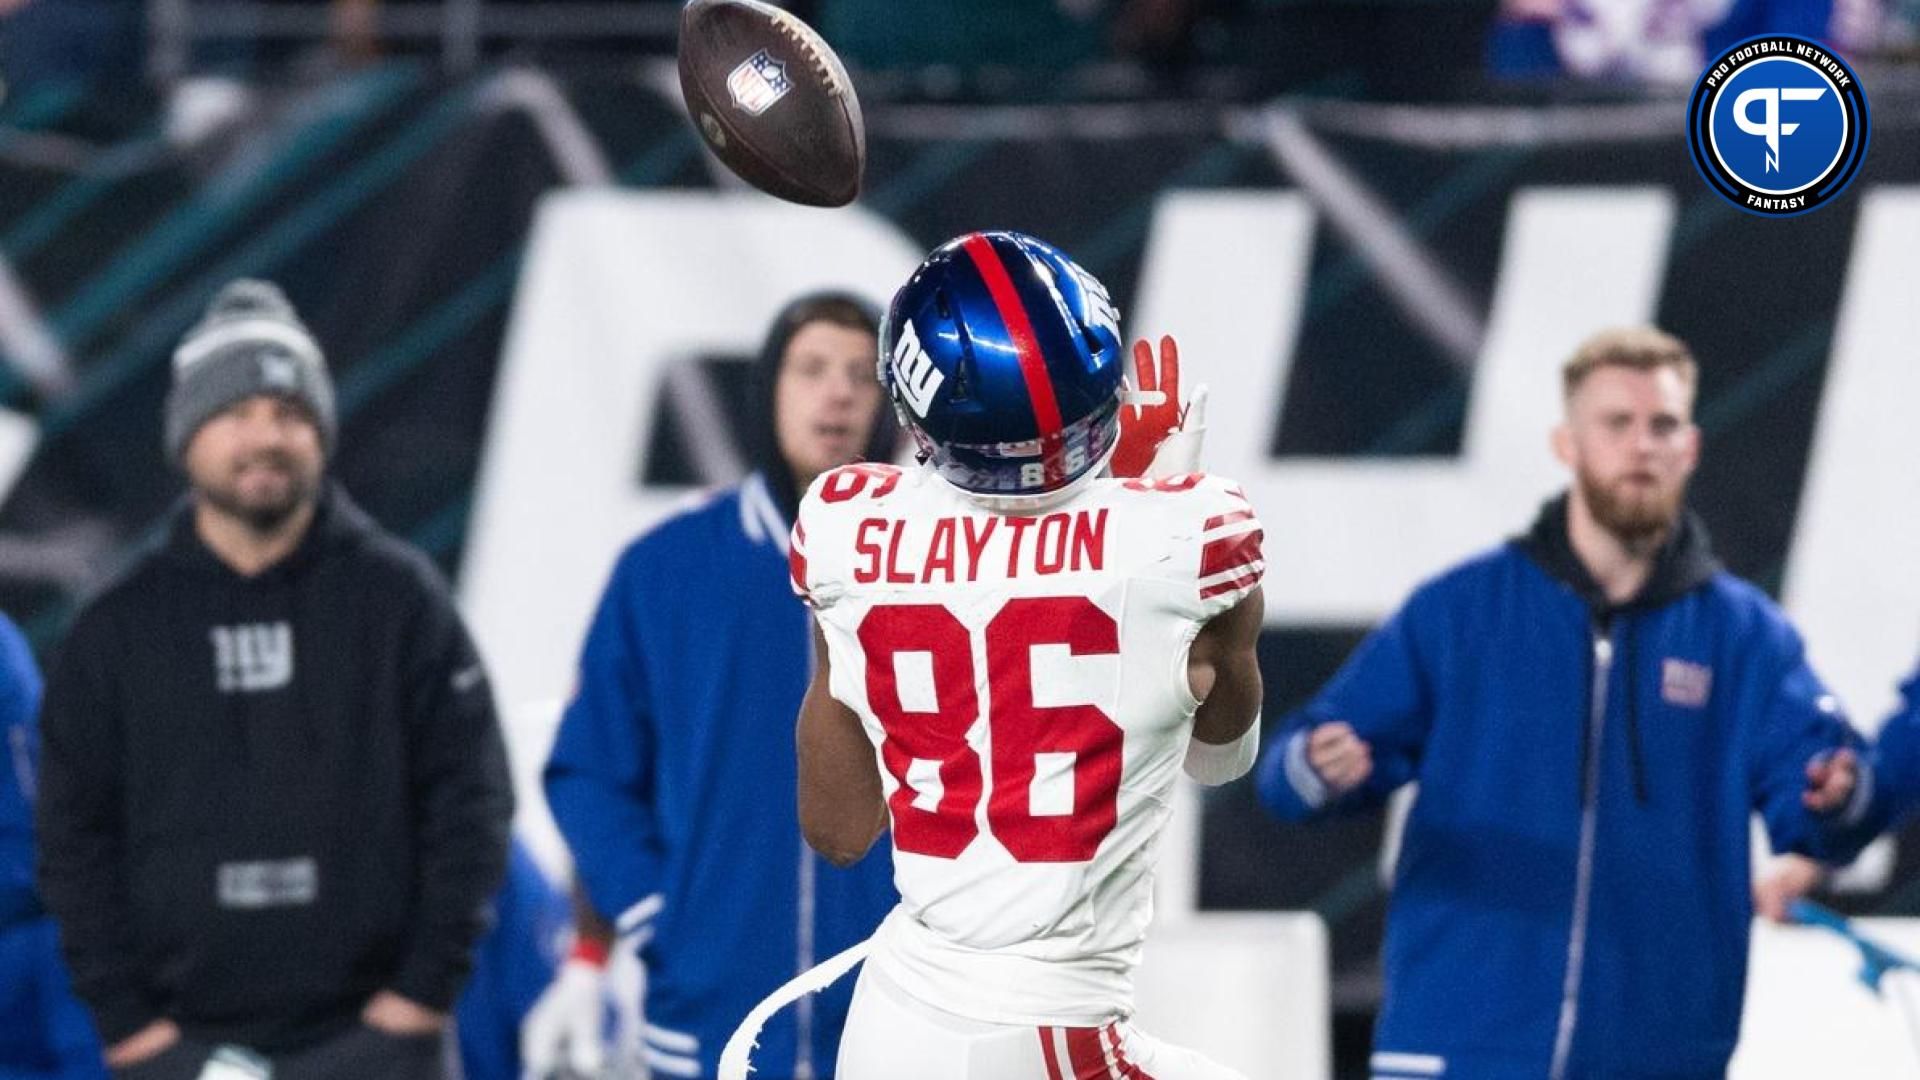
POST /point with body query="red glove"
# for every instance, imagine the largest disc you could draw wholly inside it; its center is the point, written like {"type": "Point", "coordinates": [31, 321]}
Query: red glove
{"type": "Point", "coordinates": [1151, 410]}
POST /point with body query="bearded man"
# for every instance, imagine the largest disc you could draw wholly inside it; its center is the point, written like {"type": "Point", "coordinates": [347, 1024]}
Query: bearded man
{"type": "Point", "coordinates": [274, 799]}
{"type": "Point", "coordinates": [1593, 710]}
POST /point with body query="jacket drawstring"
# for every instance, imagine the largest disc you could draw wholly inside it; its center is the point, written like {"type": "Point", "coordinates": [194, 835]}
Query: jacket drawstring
{"type": "Point", "coordinates": [1635, 754]}
{"type": "Point", "coordinates": [1603, 626]}
{"type": "Point", "coordinates": [1600, 626]}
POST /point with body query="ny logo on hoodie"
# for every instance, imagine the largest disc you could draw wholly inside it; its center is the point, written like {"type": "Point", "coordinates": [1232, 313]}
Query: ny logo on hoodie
{"type": "Point", "coordinates": [252, 658]}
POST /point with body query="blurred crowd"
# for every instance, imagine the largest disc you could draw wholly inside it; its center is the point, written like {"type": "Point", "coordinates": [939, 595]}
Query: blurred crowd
{"type": "Point", "coordinates": [1001, 49]}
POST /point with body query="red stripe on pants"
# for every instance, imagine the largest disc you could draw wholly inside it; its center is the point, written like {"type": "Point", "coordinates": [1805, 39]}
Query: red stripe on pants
{"type": "Point", "coordinates": [1046, 1048]}
{"type": "Point", "coordinates": [1088, 1058]}
{"type": "Point", "coordinates": [1127, 1068]}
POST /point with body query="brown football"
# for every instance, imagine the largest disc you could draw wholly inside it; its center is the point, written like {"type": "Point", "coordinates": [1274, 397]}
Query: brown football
{"type": "Point", "coordinates": [772, 101]}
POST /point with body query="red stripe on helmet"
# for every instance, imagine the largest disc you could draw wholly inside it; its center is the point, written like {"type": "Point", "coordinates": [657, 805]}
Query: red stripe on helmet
{"type": "Point", "coordinates": [1033, 366]}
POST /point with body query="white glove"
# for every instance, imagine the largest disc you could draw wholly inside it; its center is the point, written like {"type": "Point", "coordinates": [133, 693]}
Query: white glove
{"type": "Point", "coordinates": [1179, 453]}
{"type": "Point", "coordinates": [563, 1030]}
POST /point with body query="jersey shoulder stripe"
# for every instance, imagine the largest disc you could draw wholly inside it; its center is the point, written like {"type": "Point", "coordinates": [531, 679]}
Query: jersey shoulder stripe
{"type": "Point", "coordinates": [1231, 538]}
{"type": "Point", "coordinates": [797, 561]}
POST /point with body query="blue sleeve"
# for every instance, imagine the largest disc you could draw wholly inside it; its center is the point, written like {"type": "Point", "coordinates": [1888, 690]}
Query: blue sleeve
{"type": "Point", "coordinates": [20, 684]}
{"type": "Point", "coordinates": [1896, 762]}
{"type": "Point", "coordinates": [64, 1025]}
{"type": "Point", "coordinates": [19, 765]}
{"type": "Point", "coordinates": [1799, 721]}
{"type": "Point", "coordinates": [45, 1033]}
{"type": "Point", "coordinates": [600, 777]}
{"type": "Point", "coordinates": [1383, 692]}
{"type": "Point", "coordinates": [65, 1032]}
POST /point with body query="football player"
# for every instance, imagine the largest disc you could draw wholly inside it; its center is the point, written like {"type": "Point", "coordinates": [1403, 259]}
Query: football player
{"type": "Point", "coordinates": [1016, 653]}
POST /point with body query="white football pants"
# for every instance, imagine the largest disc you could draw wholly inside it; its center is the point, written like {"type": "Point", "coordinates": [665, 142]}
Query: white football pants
{"type": "Point", "coordinates": [890, 1035]}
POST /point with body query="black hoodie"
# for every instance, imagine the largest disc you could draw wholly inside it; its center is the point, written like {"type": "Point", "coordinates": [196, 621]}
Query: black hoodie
{"type": "Point", "coordinates": [1684, 562]}
{"type": "Point", "coordinates": [265, 799]}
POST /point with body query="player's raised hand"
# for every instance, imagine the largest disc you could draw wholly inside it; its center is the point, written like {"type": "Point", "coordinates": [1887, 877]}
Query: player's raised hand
{"type": "Point", "coordinates": [1179, 452]}
{"type": "Point", "coordinates": [1830, 780]}
{"type": "Point", "coordinates": [1341, 758]}
{"type": "Point", "coordinates": [1150, 411]}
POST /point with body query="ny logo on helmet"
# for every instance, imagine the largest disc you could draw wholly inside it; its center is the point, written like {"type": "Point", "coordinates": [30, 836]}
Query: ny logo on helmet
{"type": "Point", "coordinates": [1100, 309]}
{"type": "Point", "coordinates": [913, 371]}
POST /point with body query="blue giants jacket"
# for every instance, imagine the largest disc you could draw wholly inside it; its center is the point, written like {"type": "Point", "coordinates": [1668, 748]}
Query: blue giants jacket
{"type": "Point", "coordinates": [1572, 898]}
{"type": "Point", "coordinates": [674, 781]}
{"type": "Point", "coordinates": [45, 1033]}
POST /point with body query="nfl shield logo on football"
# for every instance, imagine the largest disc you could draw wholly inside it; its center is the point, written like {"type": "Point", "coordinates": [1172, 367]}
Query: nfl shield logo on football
{"type": "Point", "coordinates": [758, 82]}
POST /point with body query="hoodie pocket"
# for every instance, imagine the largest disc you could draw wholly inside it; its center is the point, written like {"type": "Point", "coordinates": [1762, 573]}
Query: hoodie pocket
{"type": "Point", "coordinates": [173, 885]}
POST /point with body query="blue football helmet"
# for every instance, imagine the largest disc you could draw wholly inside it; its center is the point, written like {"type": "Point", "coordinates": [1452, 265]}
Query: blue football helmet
{"type": "Point", "coordinates": [1004, 360]}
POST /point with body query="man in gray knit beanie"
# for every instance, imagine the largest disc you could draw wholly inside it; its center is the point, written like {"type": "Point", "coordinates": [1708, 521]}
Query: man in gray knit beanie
{"type": "Point", "coordinates": [270, 832]}
{"type": "Point", "coordinates": [249, 342]}
{"type": "Point", "coordinates": [251, 353]}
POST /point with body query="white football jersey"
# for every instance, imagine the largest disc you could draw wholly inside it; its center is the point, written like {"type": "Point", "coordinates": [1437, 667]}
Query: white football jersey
{"type": "Point", "coordinates": [1024, 682]}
